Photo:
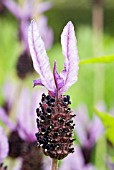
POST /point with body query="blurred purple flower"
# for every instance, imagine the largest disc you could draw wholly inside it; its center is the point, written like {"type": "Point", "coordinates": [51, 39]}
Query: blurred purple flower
{"type": "Point", "coordinates": [22, 140]}
{"type": "Point", "coordinates": [27, 110]}
{"type": "Point", "coordinates": [88, 130]}
{"type": "Point", "coordinates": [4, 148]}
{"type": "Point", "coordinates": [55, 83]}
{"type": "Point", "coordinates": [76, 161]}
{"type": "Point", "coordinates": [25, 14]}
{"type": "Point", "coordinates": [26, 129]}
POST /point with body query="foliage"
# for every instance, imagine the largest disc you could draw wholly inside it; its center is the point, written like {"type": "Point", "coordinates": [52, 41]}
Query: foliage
{"type": "Point", "coordinates": [95, 60]}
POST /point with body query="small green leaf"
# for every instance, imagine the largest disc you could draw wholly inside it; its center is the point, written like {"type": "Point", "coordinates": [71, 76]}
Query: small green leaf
{"type": "Point", "coordinates": [108, 122]}
{"type": "Point", "coordinates": [97, 60]}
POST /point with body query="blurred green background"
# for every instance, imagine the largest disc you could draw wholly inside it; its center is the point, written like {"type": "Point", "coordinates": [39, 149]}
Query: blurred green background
{"type": "Point", "coordinates": [94, 26]}
{"type": "Point", "coordinates": [81, 14]}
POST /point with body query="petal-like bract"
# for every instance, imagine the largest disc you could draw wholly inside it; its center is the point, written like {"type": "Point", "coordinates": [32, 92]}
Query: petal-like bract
{"type": "Point", "coordinates": [69, 49]}
{"type": "Point", "coordinates": [41, 62]}
{"type": "Point", "coordinates": [39, 57]}
{"type": "Point", "coordinates": [45, 31]}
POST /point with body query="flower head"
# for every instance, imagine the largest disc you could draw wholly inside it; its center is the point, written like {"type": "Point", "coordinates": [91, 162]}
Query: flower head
{"type": "Point", "coordinates": [22, 131]}
{"type": "Point", "coordinates": [54, 120]}
{"type": "Point", "coordinates": [24, 14]}
{"type": "Point", "coordinates": [25, 130]}
{"type": "Point", "coordinates": [87, 130]}
{"type": "Point", "coordinates": [4, 148]}
{"type": "Point", "coordinates": [22, 140]}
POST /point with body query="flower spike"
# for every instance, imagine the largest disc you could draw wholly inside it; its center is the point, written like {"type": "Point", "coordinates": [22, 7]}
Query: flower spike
{"type": "Point", "coordinates": [54, 116]}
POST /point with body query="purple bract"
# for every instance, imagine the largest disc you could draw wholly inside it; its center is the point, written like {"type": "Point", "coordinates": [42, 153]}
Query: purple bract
{"type": "Point", "coordinates": [55, 83]}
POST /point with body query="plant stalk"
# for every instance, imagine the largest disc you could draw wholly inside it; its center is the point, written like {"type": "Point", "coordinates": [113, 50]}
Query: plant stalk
{"type": "Point", "coordinates": [54, 164]}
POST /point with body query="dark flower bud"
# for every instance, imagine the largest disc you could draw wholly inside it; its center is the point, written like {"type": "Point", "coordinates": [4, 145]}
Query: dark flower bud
{"type": "Point", "coordinates": [49, 111]}
{"type": "Point", "coordinates": [15, 145]}
{"type": "Point", "coordinates": [87, 152]}
{"type": "Point", "coordinates": [24, 65]}
{"type": "Point", "coordinates": [66, 100]}
{"type": "Point", "coordinates": [71, 150]}
{"type": "Point", "coordinates": [73, 115]}
{"type": "Point", "coordinates": [25, 150]}
{"type": "Point", "coordinates": [68, 110]}
{"type": "Point", "coordinates": [43, 97]}
{"type": "Point", "coordinates": [48, 97]}
{"type": "Point", "coordinates": [55, 126]}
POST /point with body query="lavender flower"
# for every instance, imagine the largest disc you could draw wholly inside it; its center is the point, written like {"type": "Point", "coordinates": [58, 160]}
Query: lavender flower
{"type": "Point", "coordinates": [22, 140]}
{"type": "Point", "coordinates": [25, 130]}
{"type": "Point", "coordinates": [88, 131]}
{"type": "Point", "coordinates": [4, 148]}
{"type": "Point", "coordinates": [54, 120]}
{"type": "Point", "coordinates": [24, 15]}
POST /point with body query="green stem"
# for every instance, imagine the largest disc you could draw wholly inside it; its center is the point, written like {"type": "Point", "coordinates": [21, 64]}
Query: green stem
{"type": "Point", "coordinates": [54, 164]}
